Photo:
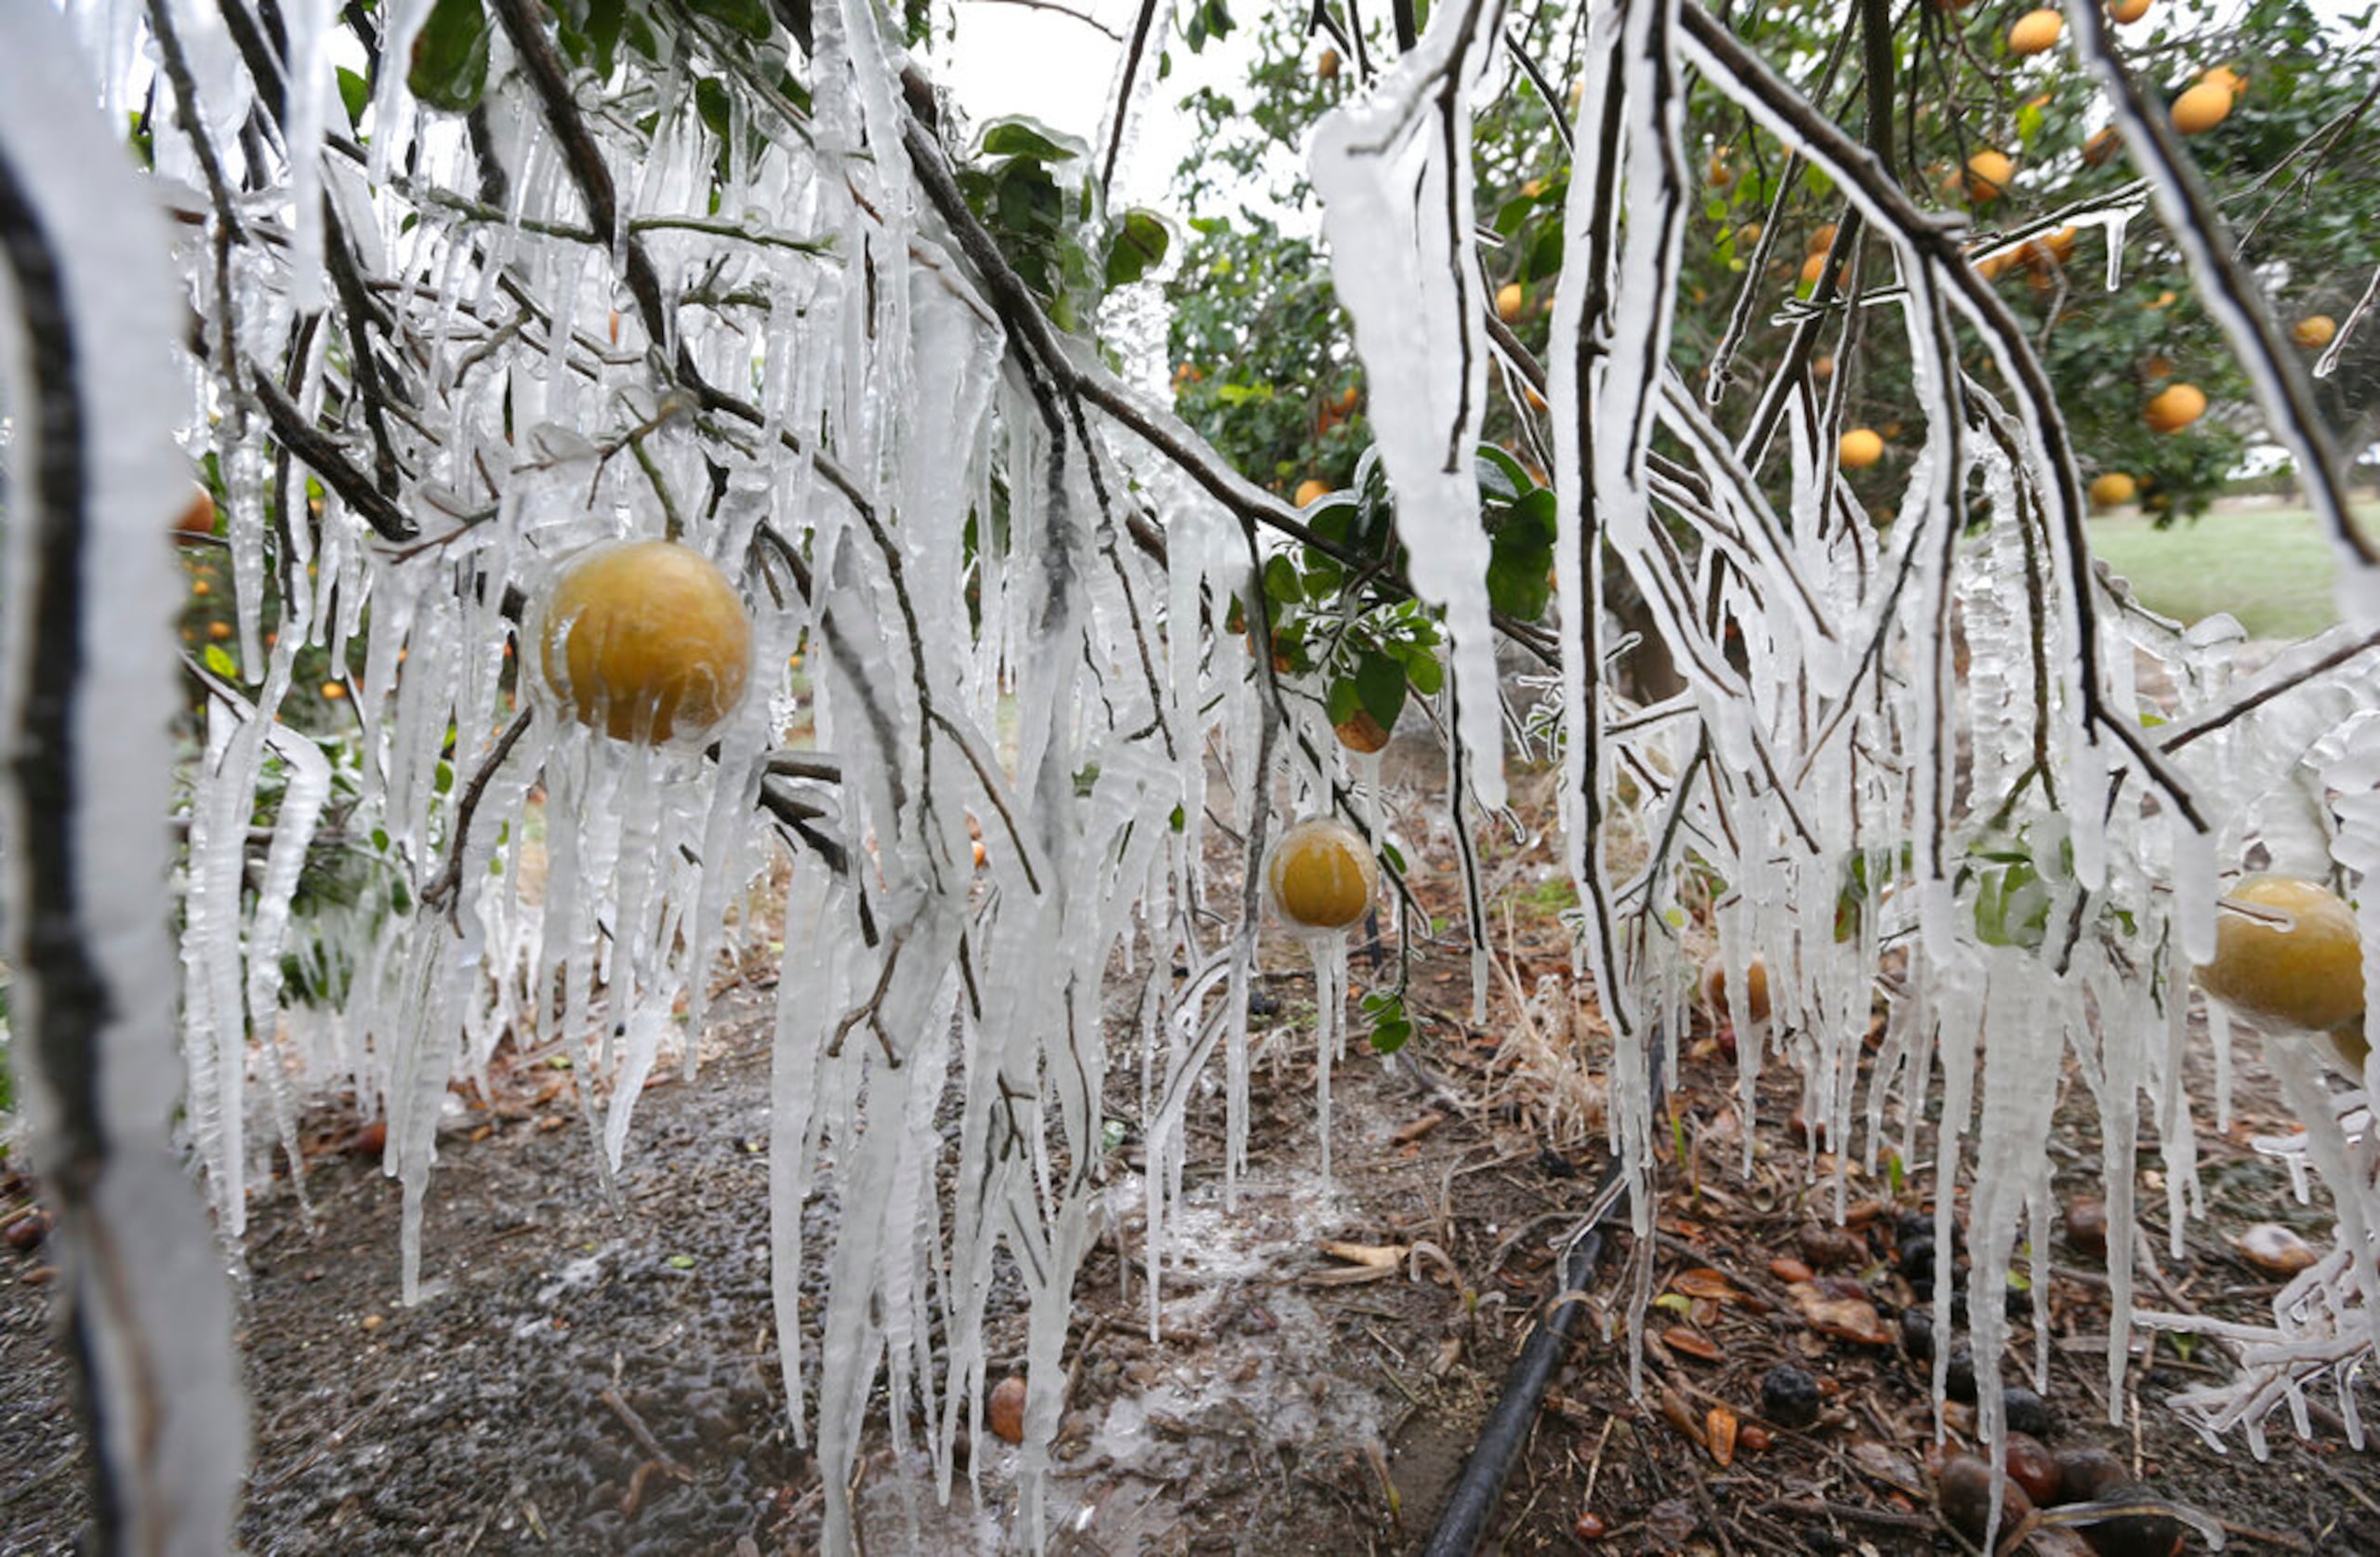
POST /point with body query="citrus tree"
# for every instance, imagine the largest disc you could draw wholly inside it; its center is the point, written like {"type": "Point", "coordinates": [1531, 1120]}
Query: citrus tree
{"type": "Point", "coordinates": [2108, 303]}
{"type": "Point", "coordinates": [670, 426]}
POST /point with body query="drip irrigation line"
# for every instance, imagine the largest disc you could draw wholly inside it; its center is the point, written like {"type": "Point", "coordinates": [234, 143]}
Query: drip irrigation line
{"type": "Point", "coordinates": [1478, 1491]}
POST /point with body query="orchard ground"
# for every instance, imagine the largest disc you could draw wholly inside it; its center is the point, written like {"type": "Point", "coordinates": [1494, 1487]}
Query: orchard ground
{"type": "Point", "coordinates": [2264, 560]}
{"type": "Point", "coordinates": [592, 1377]}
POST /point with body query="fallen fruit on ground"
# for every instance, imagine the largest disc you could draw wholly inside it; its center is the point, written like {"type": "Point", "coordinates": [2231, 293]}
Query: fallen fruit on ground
{"type": "Point", "coordinates": [2314, 331]}
{"type": "Point", "coordinates": [2175, 407]}
{"type": "Point", "coordinates": [1965, 1494]}
{"type": "Point", "coordinates": [2036, 32]}
{"type": "Point", "coordinates": [1861, 448]}
{"type": "Point", "coordinates": [1004, 1414]}
{"type": "Point", "coordinates": [2203, 107]}
{"type": "Point", "coordinates": [2274, 1249]}
{"type": "Point", "coordinates": [1714, 988]}
{"type": "Point", "coordinates": [1322, 876]}
{"type": "Point", "coordinates": [644, 641]}
{"type": "Point", "coordinates": [2113, 490]}
{"type": "Point", "coordinates": [1508, 301]}
{"type": "Point", "coordinates": [2302, 975]}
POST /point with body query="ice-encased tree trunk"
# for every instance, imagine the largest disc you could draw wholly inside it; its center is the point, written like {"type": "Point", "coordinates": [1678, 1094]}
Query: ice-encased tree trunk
{"type": "Point", "coordinates": [720, 279]}
{"type": "Point", "coordinates": [87, 667]}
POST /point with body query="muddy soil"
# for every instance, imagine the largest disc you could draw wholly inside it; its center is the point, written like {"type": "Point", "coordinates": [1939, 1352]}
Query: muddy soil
{"type": "Point", "coordinates": [596, 1376]}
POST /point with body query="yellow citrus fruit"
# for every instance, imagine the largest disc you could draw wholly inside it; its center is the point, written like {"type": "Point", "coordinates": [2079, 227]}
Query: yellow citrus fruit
{"type": "Point", "coordinates": [2128, 11]}
{"type": "Point", "coordinates": [2306, 975]}
{"type": "Point", "coordinates": [1326, 65]}
{"type": "Point", "coordinates": [1719, 173]}
{"type": "Point", "coordinates": [1813, 267]}
{"type": "Point", "coordinates": [2113, 490]}
{"type": "Point", "coordinates": [1824, 366]}
{"type": "Point", "coordinates": [1321, 876]}
{"type": "Point", "coordinates": [1312, 490]}
{"type": "Point", "coordinates": [2314, 331]}
{"type": "Point", "coordinates": [644, 641]}
{"type": "Point", "coordinates": [2225, 77]}
{"type": "Point", "coordinates": [2202, 108]}
{"type": "Point", "coordinates": [1861, 448]}
{"type": "Point", "coordinates": [334, 691]}
{"type": "Point", "coordinates": [1509, 300]}
{"type": "Point", "coordinates": [1360, 731]}
{"type": "Point", "coordinates": [1821, 240]}
{"type": "Point", "coordinates": [1987, 176]}
{"type": "Point", "coordinates": [2036, 31]}
{"type": "Point", "coordinates": [2175, 407]}
{"type": "Point", "coordinates": [1714, 988]}
{"type": "Point", "coordinates": [197, 517]}
{"type": "Point", "coordinates": [1992, 267]}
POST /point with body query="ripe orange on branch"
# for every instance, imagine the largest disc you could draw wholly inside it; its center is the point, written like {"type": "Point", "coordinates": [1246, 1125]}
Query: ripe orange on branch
{"type": "Point", "coordinates": [2113, 490]}
{"type": "Point", "coordinates": [2304, 974]}
{"type": "Point", "coordinates": [2036, 32]}
{"type": "Point", "coordinates": [2175, 407]}
{"type": "Point", "coordinates": [2203, 107]}
{"type": "Point", "coordinates": [1509, 302]}
{"type": "Point", "coordinates": [1987, 176]}
{"type": "Point", "coordinates": [2314, 331]}
{"type": "Point", "coordinates": [1321, 876]}
{"type": "Point", "coordinates": [1859, 448]}
{"type": "Point", "coordinates": [644, 641]}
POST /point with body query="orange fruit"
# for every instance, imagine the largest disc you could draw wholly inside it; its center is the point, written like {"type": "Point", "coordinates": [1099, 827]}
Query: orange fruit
{"type": "Point", "coordinates": [1326, 66]}
{"type": "Point", "coordinates": [2127, 11]}
{"type": "Point", "coordinates": [1714, 988]}
{"type": "Point", "coordinates": [1992, 267]}
{"type": "Point", "coordinates": [644, 641]}
{"type": "Point", "coordinates": [2113, 490]}
{"type": "Point", "coordinates": [1312, 490]}
{"type": "Point", "coordinates": [1348, 399]}
{"type": "Point", "coordinates": [1508, 301]}
{"type": "Point", "coordinates": [334, 691]}
{"type": "Point", "coordinates": [2306, 975]}
{"type": "Point", "coordinates": [1004, 1413]}
{"type": "Point", "coordinates": [2314, 331]}
{"type": "Point", "coordinates": [197, 517]}
{"type": "Point", "coordinates": [1321, 875]}
{"type": "Point", "coordinates": [2203, 107]}
{"type": "Point", "coordinates": [2175, 407]}
{"type": "Point", "coordinates": [1824, 366]}
{"type": "Point", "coordinates": [1859, 448]}
{"type": "Point", "coordinates": [2102, 146]}
{"type": "Point", "coordinates": [1719, 173]}
{"type": "Point", "coordinates": [1987, 175]}
{"type": "Point", "coordinates": [2036, 32]}
{"type": "Point", "coordinates": [219, 631]}
{"type": "Point", "coordinates": [2225, 77]}
{"type": "Point", "coordinates": [1821, 240]}
{"type": "Point", "coordinates": [1360, 731]}
{"type": "Point", "coordinates": [1813, 267]}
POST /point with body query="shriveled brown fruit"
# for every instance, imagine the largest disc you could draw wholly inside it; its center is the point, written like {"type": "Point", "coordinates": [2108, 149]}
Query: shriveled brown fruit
{"type": "Point", "coordinates": [1005, 1412]}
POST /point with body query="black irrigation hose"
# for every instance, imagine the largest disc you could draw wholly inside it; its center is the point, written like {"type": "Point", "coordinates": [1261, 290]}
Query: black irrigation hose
{"type": "Point", "coordinates": [1463, 1522]}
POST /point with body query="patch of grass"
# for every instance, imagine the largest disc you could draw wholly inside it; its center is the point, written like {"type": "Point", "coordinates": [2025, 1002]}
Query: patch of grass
{"type": "Point", "coordinates": [2272, 568]}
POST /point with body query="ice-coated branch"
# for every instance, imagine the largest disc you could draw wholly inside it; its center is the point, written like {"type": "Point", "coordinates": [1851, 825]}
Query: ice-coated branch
{"type": "Point", "coordinates": [84, 701]}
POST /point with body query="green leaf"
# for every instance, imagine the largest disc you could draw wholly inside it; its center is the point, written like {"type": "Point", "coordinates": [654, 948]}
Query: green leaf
{"type": "Point", "coordinates": [1392, 856]}
{"type": "Point", "coordinates": [1545, 253]}
{"type": "Point", "coordinates": [449, 66]}
{"type": "Point", "coordinates": [710, 101]}
{"type": "Point", "coordinates": [1138, 247]}
{"type": "Point", "coordinates": [604, 21]}
{"type": "Point", "coordinates": [1179, 820]}
{"type": "Point", "coordinates": [1281, 581]}
{"type": "Point", "coordinates": [355, 92]}
{"type": "Point", "coordinates": [1501, 478]}
{"type": "Point", "coordinates": [1380, 681]}
{"type": "Point", "coordinates": [748, 17]}
{"type": "Point", "coordinates": [1342, 701]}
{"type": "Point", "coordinates": [1020, 136]}
{"type": "Point", "coordinates": [220, 663]}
